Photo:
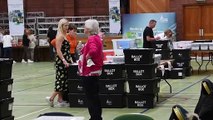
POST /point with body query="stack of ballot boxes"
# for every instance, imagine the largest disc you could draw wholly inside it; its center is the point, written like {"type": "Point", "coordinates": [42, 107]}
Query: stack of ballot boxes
{"type": "Point", "coordinates": [6, 99]}
{"type": "Point", "coordinates": [112, 86]}
{"type": "Point", "coordinates": [76, 94]}
{"type": "Point", "coordinates": [141, 76]}
{"type": "Point", "coordinates": [162, 47]}
{"type": "Point", "coordinates": [181, 64]}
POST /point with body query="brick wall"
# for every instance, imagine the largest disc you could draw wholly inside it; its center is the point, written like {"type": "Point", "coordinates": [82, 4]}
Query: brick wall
{"type": "Point", "coordinates": [63, 7]}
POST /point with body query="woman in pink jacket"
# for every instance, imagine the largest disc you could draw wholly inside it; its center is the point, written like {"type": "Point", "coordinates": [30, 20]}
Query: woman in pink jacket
{"type": "Point", "coordinates": [90, 67]}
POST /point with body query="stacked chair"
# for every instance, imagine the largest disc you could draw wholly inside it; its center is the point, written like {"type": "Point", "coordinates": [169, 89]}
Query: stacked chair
{"type": "Point", "coordinates": [6, 100]}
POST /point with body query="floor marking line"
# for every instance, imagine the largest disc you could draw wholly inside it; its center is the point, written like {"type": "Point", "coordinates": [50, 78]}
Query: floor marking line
{"type": "Point", "coordinates": [33, 87]}
{"type": "Point", "coordinates": [32, 78]}
{"type": "Point", "coordinates": [180, 91]}
{"type": "Point", "coordinates": [31, 113]}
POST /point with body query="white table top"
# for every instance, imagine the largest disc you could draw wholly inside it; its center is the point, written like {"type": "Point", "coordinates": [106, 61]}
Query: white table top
{"type": "Point", "coordinates": [59, 118]}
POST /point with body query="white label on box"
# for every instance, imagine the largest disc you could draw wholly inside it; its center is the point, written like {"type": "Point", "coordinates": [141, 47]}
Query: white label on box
{"type": "Point", "coordinates": [138, 72]}
{"type": "Point", "coordinates": [109, 71]}
{"type": "Point", "coordinates": [80, 88]}
{"type": "Point", "coordinates": [9, 88]}
{"type": "Point", "coordinates": [140, 103]}
{"type": "Point", "coordinates": [80, 101]}
{"type": "Point", "coordinates": [140, 87]}
{"type": "Point", "coordinates": [109, 102]}
{"type": "Point", "coordinates": [159, 45]}
{"type": "Point", "coordinates": [180, 74]}
{"type": "Point", "coordinates": [111, 87]}
{"type": "Point", "coordinates": [10, 106]}
{"type": "Point", "coordinates": [136, 57]}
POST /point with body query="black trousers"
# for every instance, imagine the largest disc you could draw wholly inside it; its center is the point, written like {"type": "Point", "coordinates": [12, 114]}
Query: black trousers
{"type": "Point", "coordinates": [91, 89]}
{"type": "Point", "coordinates": [26, 53]}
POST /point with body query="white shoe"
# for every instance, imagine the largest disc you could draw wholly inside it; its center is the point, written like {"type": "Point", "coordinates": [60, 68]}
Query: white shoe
{"type": "Point", "coordinates": [29, 61]}
{"type": "Point", "coordinates": [49, 101]}
{"type": "Point", "coordinates": [14, 61]}
{"type": "Point", "coordinates": [23, 61]}
{"type": "Point", "coordinates": [62, 104]}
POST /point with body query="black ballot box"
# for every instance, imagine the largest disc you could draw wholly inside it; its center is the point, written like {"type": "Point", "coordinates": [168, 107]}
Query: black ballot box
{"type": "Point", "coordinates": [113, 71]}
{"type": "Point", "coordinates": [6, 88]}
{"type": "Point", "coordinates": [144, 86]}
{"type": "Point", "coordinates": [77, 100]}
{"type": "Point", "coordinates": [75, 86]}
{"type": "Point", "coordinates": [141, 101]}
{"type": "Point", "coordinates": [73, 72]}
{"type": "Point", "coordinates": [115, 86]}
{"type": "Point", "coordinates": [5, 68]}
{"type": "Point", "coordinates": [181, 54]}
{"type": "Point", "coordinates": [161, 44]}
{"type": "Point", "coordinates": [112, 100]}
{"type": "Point", "coordinates": [165, 53]}
{"type": "Point", "coordinates": [181, 63]}
{"type": "Point", "coordinates": [139, 56]}
{"type": "Point", "coordinates": [6, 106]}
{"type": "Point", "coordinates": [144, 71]}
{"type": "Point", "coordinates": [177, 73]}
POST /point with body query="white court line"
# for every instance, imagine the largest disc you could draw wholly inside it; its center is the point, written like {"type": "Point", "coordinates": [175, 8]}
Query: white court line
{"type": "Point", "coordinates": [31, 113]}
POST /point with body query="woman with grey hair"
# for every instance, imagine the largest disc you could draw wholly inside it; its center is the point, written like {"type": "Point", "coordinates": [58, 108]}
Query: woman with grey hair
{"type": "Point", "coordinates": [63, 59]}
{"type": "Point", "coordinates": [90, 68]}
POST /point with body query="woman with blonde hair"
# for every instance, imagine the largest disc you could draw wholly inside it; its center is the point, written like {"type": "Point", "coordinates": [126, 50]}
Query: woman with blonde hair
{"type": "Point", "coordinates": [63, 59]}
{"type": "Point", "coordinates": [90, 67]}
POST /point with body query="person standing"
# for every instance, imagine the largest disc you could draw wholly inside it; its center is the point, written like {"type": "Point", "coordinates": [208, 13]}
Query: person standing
{"type": "Point", "coordinates": [7, 44]}
{"type": "Point", "coordinates": [50, 36]}
{"type": "Point", "coordinates": [63, 60]}
{"type": "Point", "coordinates": [90, 68]}
{"type": "Point", "coordinates": [72, 38]}
{"type": "Point", "coordinates": [32, 44]}
{"type": "Point", "coordinates": [148, 35]}
{"type": "Point", "coordinates": [26, 42]}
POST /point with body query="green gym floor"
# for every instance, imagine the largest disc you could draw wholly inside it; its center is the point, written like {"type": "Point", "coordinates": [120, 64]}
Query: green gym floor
{"type": "Point", "coordinates": [34, 81]}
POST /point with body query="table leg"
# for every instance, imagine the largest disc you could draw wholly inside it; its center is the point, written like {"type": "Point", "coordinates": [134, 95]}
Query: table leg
{"type": "Point", "coordinates": [170, 87]}
{"type": "Point", "coordinates": [208, 61]}
{"type": "Point", "coordinates": [211, 54]}
{"type": "Point", "coordinates": [199, 65]}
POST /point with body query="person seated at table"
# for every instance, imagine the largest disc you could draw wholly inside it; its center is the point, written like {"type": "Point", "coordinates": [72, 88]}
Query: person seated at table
{"type": "Point", "coordinates": [169, 35]}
